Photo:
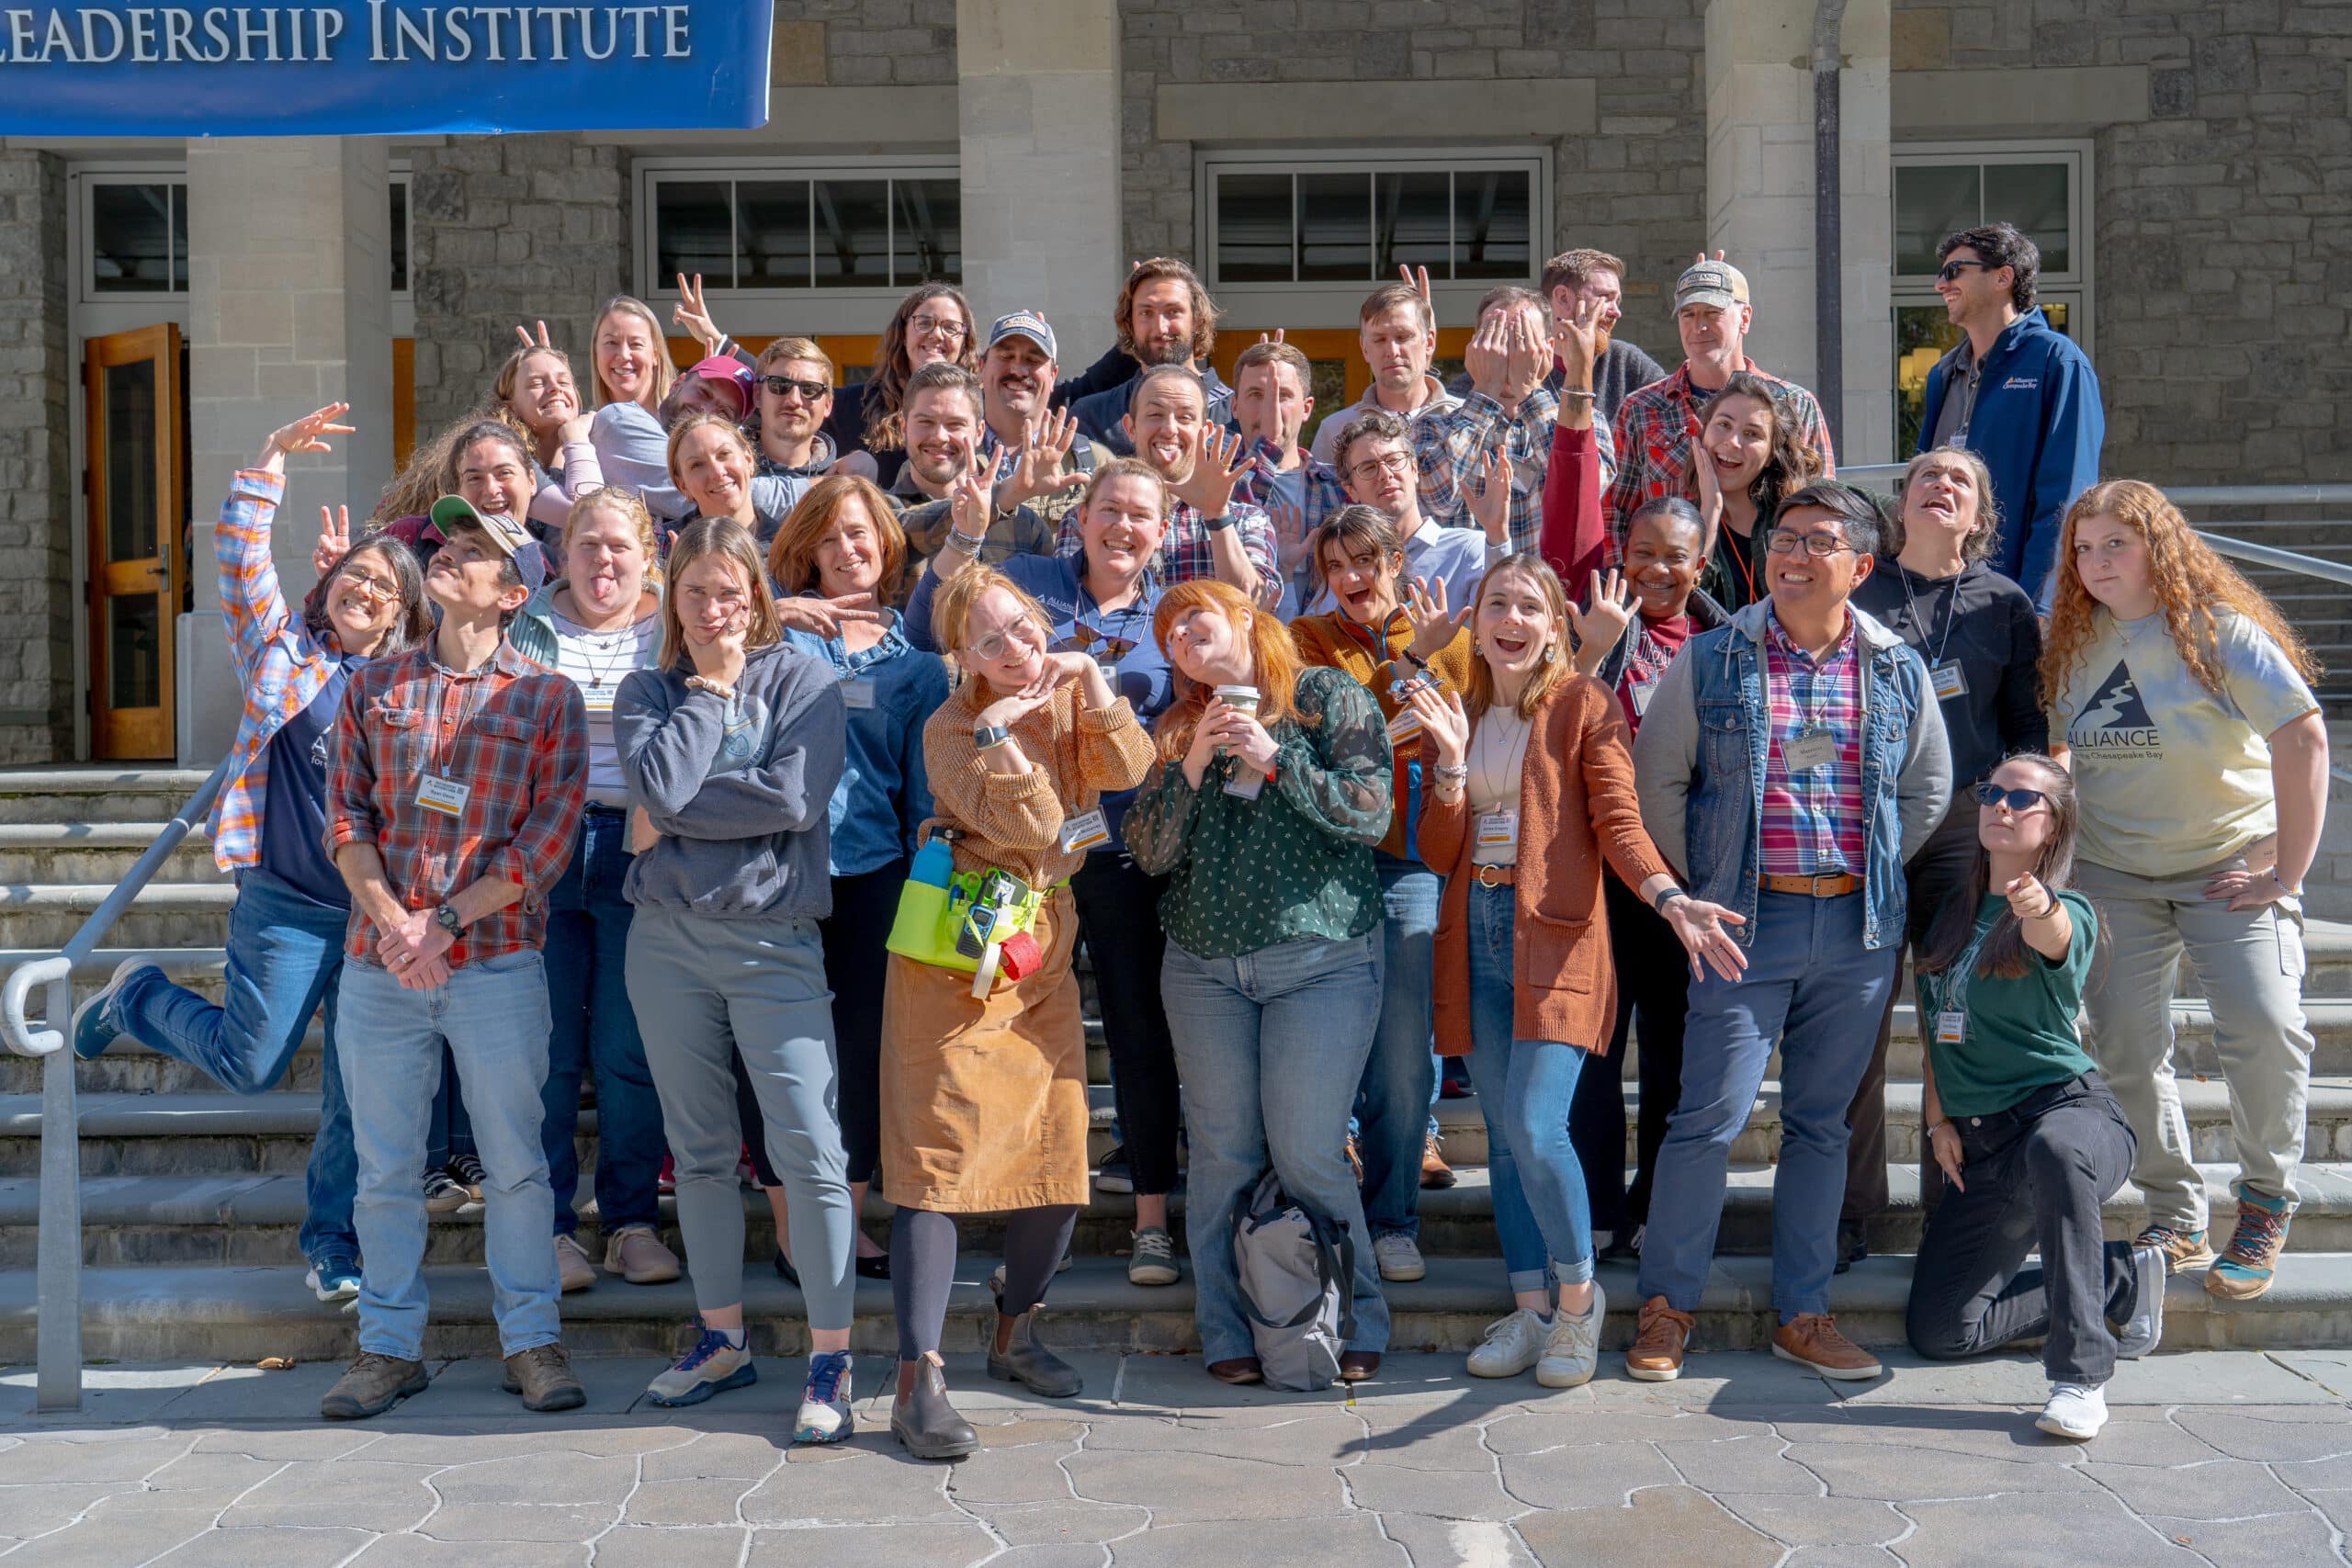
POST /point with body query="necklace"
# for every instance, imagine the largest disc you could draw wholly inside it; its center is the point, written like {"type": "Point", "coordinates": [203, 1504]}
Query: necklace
{"type": "Point", "coordinates": [594, 643]}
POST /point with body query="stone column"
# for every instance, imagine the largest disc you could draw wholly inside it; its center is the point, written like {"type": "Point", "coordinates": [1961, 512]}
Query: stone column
{"type": "Point", "coordinates": [290, 302]}
{"type": "Point", "coordinates": [1760, 196]}
{"type": "Point", "coordinates": [1038, 86]}
{"type": "Point", "coordinates": [37, 385]}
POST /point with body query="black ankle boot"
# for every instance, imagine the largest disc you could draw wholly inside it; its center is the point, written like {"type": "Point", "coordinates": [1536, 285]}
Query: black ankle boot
{"type": "Point", "coordinates": [926, 1425]}
{"type": "Point", "coordinates": [1030, 1364]}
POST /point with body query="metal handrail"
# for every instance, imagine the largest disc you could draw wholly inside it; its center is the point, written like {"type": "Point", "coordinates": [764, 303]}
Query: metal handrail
{"type": "Point", "coordinates": [58, 1345]}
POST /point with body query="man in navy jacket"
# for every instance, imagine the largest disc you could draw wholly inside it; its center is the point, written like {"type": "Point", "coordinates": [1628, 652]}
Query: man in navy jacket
{"type": "Point", "coordinates": [1165, 317]}
{"type": "Point", "coordinates": [2017, 393]}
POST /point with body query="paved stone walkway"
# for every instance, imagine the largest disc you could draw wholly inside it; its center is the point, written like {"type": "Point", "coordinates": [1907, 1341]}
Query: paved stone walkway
{"type": "Point", "coordinates": [2220, 1458]}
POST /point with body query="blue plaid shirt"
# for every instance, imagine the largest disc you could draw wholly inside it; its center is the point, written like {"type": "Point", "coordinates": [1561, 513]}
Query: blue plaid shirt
{"type": "Point", "coordinates": [1453, 448]}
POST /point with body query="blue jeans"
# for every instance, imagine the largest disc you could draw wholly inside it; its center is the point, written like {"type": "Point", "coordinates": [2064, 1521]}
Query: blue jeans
{"type": "Point", "coordinates": [1810, 981]}
{"type": "Point", "coordinates": [1399, 1080]}
{"type": "Point", "coordinates": [587, 952]}
{"type": "Point", "coordinates": [1525, 1087]}
{"type": "Point", "coordinates": [285, 963]}
{"type": "Point", "coordinates": [493, 1017]}
{"type": "Point", "coordinates": [1270, 1046]}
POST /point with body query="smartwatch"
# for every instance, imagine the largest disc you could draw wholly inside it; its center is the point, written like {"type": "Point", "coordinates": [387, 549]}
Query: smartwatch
{"type": "Point", "coordinates": [1220, 523]}
{"type": "Point", "coordinates": [447, 919]}
{"type": "Point", "coordinates": [1667, 895]}
{"type": "Point", "coordinates": [987, 735]}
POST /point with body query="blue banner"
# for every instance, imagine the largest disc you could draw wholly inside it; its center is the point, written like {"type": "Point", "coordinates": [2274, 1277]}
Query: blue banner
{"type": "Point", "coordinates": [381, 67]}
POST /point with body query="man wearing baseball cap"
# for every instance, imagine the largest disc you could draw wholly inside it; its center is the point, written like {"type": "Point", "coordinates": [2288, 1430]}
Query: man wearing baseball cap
{"type": "Point", "coordinates": [1658, 427]}
{"type": "Point", "coordinates": [1018, 370]}
{"type": "Point", "coordinates": [453, 791]}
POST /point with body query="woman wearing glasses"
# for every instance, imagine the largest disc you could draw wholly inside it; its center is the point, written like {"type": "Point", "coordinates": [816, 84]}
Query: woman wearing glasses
{"type": "Point", "coordinates": [931, 324]}
{"type": "Point", "coordinates": [2184, 698]}
{"type": "Point", "coordinates": [1977, 633]}
{"type": "Point", "coordinates": [2018, 1121]}
{"type": "Point", "coordinates": [286, 932]}
{"type": "Point", "coordinates": [984, 1075]}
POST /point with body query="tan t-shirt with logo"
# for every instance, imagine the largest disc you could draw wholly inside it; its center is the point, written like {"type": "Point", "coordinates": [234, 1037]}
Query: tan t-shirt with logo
{"type": "Point", "coordinates": [2172, 778]}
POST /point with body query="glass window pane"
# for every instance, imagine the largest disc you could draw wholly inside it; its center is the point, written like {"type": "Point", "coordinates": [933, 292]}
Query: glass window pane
{"type": "Point", "coordinates": [135, 651]}
{"type": "Point", "coordinates": [179, 238]}
{"type": "Point", "coordinates": [772, 231]}
{"type": "Point", "coordinates": [1923, 334]}
{"type": "Point", "coordinates": [400, 235]}
{"type": "Point", "coordinates": [1492, 224]}
{"type": "Point", "coordinates": [926, 232]}
{"type": "Point", "coordinates": [693, 232]}
{"type": "Point", "coordinates": [133, 513]}
{"type": "Point", "coordinates": [1334, 227]}
{"type": "Point", "coordinates": [1410, 216]}
{"type": "Point", "coordinates": [1253, 228]}
{"type": "Point", "coordinates": [1329, 393]}
{"type": "Point", "coordinates": [2059, 311]}
{"type": "Point", "coordinates": [130, 239]}
{"type": "Point", "coordinates": [1930, 201]}
{"type": "Point", "coordinates": [853, 233]}
{"type": "Point", "coordinates": [2032, 196]}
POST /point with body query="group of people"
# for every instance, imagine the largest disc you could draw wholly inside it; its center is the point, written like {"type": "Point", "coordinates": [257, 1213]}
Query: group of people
{"type": "Point", "coordinates": [761, 748]}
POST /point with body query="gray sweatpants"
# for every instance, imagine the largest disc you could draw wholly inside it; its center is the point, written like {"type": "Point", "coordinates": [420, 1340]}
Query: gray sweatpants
{"type": "Point", "coordinates": [2250, 965]}
{"type": "Point", "coordinates": [705, 990]}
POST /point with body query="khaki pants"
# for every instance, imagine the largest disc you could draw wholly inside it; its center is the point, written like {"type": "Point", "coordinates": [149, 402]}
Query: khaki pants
{"type": "Point", "coordinates": [2250, 964]}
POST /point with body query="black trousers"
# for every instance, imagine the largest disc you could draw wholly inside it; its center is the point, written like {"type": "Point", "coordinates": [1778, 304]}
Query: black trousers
{"type": "Point", "coordinates": [2035, 1176]}
{"type": "Point", "coordinates": [1118, 919]}
{"type": "Point", "coordinates": [1653, 989]}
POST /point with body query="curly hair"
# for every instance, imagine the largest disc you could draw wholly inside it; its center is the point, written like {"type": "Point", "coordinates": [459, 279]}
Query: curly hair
{"type": "Point", "coordinates": [432, 471]}
{"type": "Point", "coordinates": [2188, 579]}
{"type": "Point", "coordinates": [1153, 270]}
{"type": "Point", "coordinates": [885, 394]}
{"type": "Point", "coordinates": [1789, 463]}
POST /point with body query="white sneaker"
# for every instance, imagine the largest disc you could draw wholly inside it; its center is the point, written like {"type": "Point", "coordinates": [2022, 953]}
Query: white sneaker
{"type": "Point", "coordinates": [1510, 1347]}
{"type": "Point", "coordinates": [1399, 1257]}
{"type": "Point", "coordinates": [1572, 1349]}
{"type": "Point", "coordinates": [2073, 1411]}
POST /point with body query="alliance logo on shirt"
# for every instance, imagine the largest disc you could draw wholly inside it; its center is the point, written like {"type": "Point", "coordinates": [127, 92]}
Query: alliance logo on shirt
{"type": "Point", "coordinates": [2116, 722]}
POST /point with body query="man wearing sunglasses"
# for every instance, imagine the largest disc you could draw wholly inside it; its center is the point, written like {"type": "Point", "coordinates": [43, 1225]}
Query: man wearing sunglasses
{"type": "Point", "coordinates": [2017, 392]}
{"type": "Point", "coordinates": [1789, 764]}
{"type": "Point", "coordinates": [794, 393]}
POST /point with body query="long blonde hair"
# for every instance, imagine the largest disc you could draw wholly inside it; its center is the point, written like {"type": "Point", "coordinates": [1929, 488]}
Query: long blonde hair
{"type": "Point", "coordinates": [1273, 661]}
{"type": "Point", "coordinates": [724, 538]}
{"type": "Point", "coordinates": [1478, 692]}
{"type": "Point", "coordinates": [664, 373]}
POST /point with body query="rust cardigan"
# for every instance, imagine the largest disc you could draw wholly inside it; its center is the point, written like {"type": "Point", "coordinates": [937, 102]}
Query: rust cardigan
{"type": "Point", "coordinates": [1576, 807]}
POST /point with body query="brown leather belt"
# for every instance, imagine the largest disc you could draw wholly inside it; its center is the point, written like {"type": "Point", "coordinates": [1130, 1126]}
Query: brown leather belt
{"type": "Point", "coordinates": [1834, 885]}
{"type": "Point", "coordinates": [1495, 875]}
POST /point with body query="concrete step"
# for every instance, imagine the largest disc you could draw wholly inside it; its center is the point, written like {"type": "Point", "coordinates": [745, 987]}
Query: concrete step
{"type": "Point", "coordinates": [97, 794]}
{"type": "Point", "coordinates": [97, 853]}
{"type": "Point", "coordinates": [244, 1313]}
{"type": "Point", "coordinates": [166, 914]}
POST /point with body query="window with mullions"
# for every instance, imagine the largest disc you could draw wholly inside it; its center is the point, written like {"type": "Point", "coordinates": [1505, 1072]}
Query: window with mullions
{"type": "Point", "coordinates": [138, 236]}
{"type": "Point", "coordinates": [1302, 219]}
{"type": "Point", "coordinates": [769, 229]}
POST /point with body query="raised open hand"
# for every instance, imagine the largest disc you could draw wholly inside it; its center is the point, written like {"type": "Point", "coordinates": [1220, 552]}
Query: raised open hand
{"type": "Point", "coordinates": [1038, 469]}
{"type": "Point", "coordinates": [305, 435]}
{"type": "Point", "coordinates": [1434, 627]}
{"type": "Point", "coordinates": [1607, 613]}
{"type": "Point", "coordinates": [1489, 500]}
{"type": "Point", "coordinates": [1219, 460]}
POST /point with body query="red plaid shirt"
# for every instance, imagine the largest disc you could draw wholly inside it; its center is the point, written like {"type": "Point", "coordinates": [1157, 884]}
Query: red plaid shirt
{"type": "Point", "coordinates": [1812, 818]}
{"type": "Point", "coordinates": [1656, 426]}
{"type": "Point", "coordinates": [514, 734]}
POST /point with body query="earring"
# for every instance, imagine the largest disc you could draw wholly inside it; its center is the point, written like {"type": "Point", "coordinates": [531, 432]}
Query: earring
{"type": "Point", "coordinates": [1551, 651]}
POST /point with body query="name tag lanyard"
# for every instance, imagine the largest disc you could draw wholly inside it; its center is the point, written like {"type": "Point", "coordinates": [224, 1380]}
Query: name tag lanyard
{"type": "Point", "coordinates": [1952, 1016]}
{"type": "Point", "coordinates": [437, 791]}
{"type": "Point", "coordinates": [1813, 734]}
{"type": "Point", "coordinates": [1951, 614]}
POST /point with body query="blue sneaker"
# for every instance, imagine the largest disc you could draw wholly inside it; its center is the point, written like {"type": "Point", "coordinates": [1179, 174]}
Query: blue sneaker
{"type": "Point", "coordinates": [335, 1279]}
{"type": "Point", "coordinates": [824, 1403]}
{"type": "Point", "coordinates": [713, 1366]}
{"type": "Point", "coordinates": [93, 1029]}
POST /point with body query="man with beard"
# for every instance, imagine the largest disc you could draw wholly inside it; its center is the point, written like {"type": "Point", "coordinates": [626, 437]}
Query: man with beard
{"type": "Point", "coordinates": [940, 410]}
{"type": "Point", "coordinates": [1270, 401]}
{"type": "Point", "coordinates": [1209, 533]}
{"type": "Point", "coordinates": [1165, 317]}
{"type": "Point", "coordinates": [1042, 461]}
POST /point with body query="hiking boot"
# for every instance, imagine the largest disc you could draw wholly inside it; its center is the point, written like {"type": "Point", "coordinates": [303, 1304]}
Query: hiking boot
{"type": "Point", "coordinates": [1661, 1335]}
{"type": "Point", "coordinates": [442, 1193]}
{"type": "Point", "coordinates": [824, 1399]}
{"type": "Point", "coordinates": [2144, 1329]}
{"type": "Point", "coordinates": [2182, 1249]}
{"type": "Point", "coordinates": [373, 1385]}
{"type": "Point", "coordinates": [926, 1424]}
{"type": "Point", "coordinates": [572, 1270]}
{"type": "Point", "coordinates": [1025, 1361]}
{"type": "Point", "coordinates": [2073, 1411]}
{"type": "Point", "coordinates": [1355, 1159]}
{"type": "Point", "coordinates": [1153, 1262]}
{"type": "Point", "coordinates": [1572, 1346]}
{"type": "Point", "coordinates": [1399, 1257]}
{"type": "Point", "coordinates": [466, 1172]}
{"type": "Point", "coordinates": [2248, 1264]}
{"type": "Point", "coordinates": [1435, 1173]}
{"type": "Point", "coordinates": [92, 1027]}
{"type": "Point", "coordinates": [1512, 1345]}
{"type": "Point", "coordinates": [1355, 1365]}
{"type": "Point", "coordinates": [713, 1366]}
{"type": "Point", "coordinates": [637, 1255]}
{"type": "Point", "coordinates": [1112, 1174]}
{"type": "Point", "coordinates": [543, 1376]}
{"type": "Point", "coordinates": [1811, 1339]}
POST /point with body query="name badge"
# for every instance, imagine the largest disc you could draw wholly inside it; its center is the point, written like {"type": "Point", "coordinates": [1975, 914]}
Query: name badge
{"type": "Point", "coordinates": [1085, 830]}
{"type": "Point", "coordinates": [1948, 682]}
{"type": "Point", "coordinates": [1950, 1027]}
{"type": "Point", "coordinates": [858, 691]}
{"type": "Point", "coordinates": [443, 795]}
{"type": "Point", "coordinates": [597, 698]}
{"type": "Point", "coordinates": [1643, 690]}
{"type": "Point", "coordinates": [1403, 728]}
{"type": "Point", "coordinates": [1498, 830]}
{"type": "Point", "coordinates": [1810, 748]}
{"type": "Point", "coordinates": [1244, 782]}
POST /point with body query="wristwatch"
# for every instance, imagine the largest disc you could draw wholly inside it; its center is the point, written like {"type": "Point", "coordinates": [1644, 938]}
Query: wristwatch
{"type": "Point", "coordinates": [1220, 523]}
{"type": "Point", "coordinates": [987, 735]}
{"type": "Point", "coordinates": [446, 916]}
{"type": "Point", "coordinates": [1667, 895]}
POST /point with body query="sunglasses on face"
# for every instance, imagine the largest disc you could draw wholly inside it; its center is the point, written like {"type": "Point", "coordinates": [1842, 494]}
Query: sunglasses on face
{"type": "Point", "coordinates": [782, 385]}
{"type": "Point", "coordinates": [1949, 272]}
{"type": "Point", "coordinates": [2015, 800]}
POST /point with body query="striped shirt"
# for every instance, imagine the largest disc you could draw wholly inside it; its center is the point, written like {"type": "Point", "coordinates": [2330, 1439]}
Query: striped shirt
{"type": "Point", "coordinates": [1812, 820]}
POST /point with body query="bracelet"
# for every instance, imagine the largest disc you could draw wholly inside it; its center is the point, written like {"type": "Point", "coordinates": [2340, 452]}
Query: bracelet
{"type": "Point", "coordinates": [1667, 895]}
{"type": "Point", "coordinates": [1568, 392]}
{"type": "Point", "coordinates": [2280, 883]}
{"type": "Point", "coordinates": [1221, 522]}
{"type": "Point", "coordinates": [964, 544]}
{"type": "Point", "coordinates": [715, 688]}
{"type": "Point", "coordinates": [1940, 1122]}
{"type": "Point", "coordinates": [1458, 774]}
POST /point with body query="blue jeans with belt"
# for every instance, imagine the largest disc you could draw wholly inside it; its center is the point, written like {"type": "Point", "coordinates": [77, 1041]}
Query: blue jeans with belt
{"type": "Point", "coordinates": [596, 1029]}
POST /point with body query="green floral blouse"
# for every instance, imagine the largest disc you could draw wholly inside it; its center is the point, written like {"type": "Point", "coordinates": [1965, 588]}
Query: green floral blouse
{"type": "Point", "coordinates": [1294, 862]}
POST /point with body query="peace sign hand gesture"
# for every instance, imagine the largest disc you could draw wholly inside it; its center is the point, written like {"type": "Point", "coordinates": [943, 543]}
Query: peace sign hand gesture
{"type": "Point", "coordinates": [692, 313]}
{"type": "Point", "coordinates": [304, 435]}
{"type": "Point", "coordinates": [1434, 627]}
{"type": "Point", "coordinates": [967, 499]}
{"type": "Point", "coordinates": [335, 539]}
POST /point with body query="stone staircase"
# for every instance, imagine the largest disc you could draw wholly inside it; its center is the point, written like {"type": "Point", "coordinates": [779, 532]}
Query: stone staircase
{"type": "Point", "coordinates": [191, 1196]}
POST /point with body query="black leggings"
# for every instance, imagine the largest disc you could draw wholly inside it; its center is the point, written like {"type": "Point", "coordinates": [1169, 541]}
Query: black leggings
{"type": "Point", "coordinates": [923, 1267]}
{"type": "Point", "coordinates": [856, 963]}
{"type": "Point", "coordinates": [1652, 981]}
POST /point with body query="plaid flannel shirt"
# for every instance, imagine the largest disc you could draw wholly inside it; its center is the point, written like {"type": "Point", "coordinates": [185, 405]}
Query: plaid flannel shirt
{"type": "Point", "coordinates": [1452, 449]}
{"type": "Point", "coordinates": [1811, 820]}
{"type": "Point", "coordinates": [1184, 548]}
{"type": "Point", "coordinates": [514, 733]}
{"type": "Point", "coordinates": [1656, 426]}
{"type": "Point", "coordinates": [280, 665]}
{"type": "Point", "coordinates": [1318, 482]}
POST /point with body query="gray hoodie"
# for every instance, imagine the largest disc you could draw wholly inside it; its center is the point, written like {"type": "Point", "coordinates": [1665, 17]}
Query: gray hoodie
{"type": "Point", "coordinates": [738, 790]}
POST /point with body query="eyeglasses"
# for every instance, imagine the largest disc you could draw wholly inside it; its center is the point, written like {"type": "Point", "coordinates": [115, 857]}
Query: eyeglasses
{"type": "Point", "coordinates": [1821, 546]}
{"type": "Point", "coordinates": [946, 327]}
{"type": "Point", "coordinates": [1949, 272]}
{"type": "Point", "coordinates": [1371, 470]}
{"type": "Point", "coordinates": [782, 385]}
{"type": "Point", "coordinates": [1990, 794]}
{"type": "Point", "coordinates": [378, 589]}
{"type": "Point", "coordinates": [996, 645]}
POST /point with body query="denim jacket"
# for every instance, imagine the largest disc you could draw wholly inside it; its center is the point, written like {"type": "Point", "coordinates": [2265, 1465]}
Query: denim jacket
{"type": "Point", "coordinates": [1698, 763]}
{"type": "Point", "coordinates": [883, 795]}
